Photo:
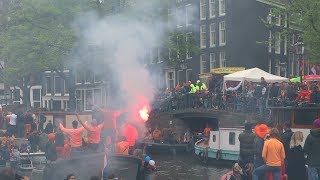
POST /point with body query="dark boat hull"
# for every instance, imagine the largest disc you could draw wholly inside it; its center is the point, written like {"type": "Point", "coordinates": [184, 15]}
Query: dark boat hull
{"type": "Point", "coordinates": [164, 148]}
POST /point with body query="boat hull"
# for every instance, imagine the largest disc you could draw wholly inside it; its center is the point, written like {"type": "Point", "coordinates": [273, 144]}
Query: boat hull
{"type": "Point", "coordinates": [213, 154]}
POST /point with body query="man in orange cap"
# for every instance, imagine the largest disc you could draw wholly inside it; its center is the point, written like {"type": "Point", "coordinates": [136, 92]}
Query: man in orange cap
{"type": "Point", "coordinates": [51, 151]}
{"type": "Point", "coordinates": [261, 132]}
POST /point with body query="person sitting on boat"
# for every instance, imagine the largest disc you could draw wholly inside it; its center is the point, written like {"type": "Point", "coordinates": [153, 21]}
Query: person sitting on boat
{"type": "Point", "coordinates": [122, 147]}
{"type": "Point", "coordinates": [94, 131]}
{"type": "Point", "coordinates": [246, 139]}
{"type": "Point", "coordinates": [312, 149]}
{"type": "Point", "coordinates": [206, 133]}
{"type": "Point", "coordinates": [235, 174]}
{"type": "Point", "coordinates": [75, 137]}
{"type": "Point", "coordinates": [273, 154]}
{"type": "Point", "coordinates": [156, 135]}
{"type": "Point", "coordinates": [51, 151]}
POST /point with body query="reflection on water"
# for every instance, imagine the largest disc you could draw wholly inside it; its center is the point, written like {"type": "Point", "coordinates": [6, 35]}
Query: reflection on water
{"type": "Point", "coordinates": [187, 167]}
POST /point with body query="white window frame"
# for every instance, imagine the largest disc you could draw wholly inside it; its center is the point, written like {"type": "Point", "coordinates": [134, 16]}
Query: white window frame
{"type": "Point", "coordinates": [189, 15]}
{"type": "Point", "coordinates": [285, 48]}
{"type": "Point", "coordinates": [213, 61]}
{"type": "Point", "coordinates": [188, 53]}
{"type": "Point", "coordinates": [212, 10]}
{"type": "Point", "coordinates": [222, 59]}
{"type": "Point", "coordinates": [178, 16]}
{"type": "Point", "coordinates": [212, 35]}
{"type": "Point", "coordinates": [203, 62]}
{"type": "Point", "coordinates": [277, 44]}
{"type": "Point", "coordinates": [278, 20]}
{"type": "Point", "coordinates": [168, 80]}
{"type": "Point", "coordinates": [54, 86]}
{"type": "Point", "coordinates": [31, 96]}
{"type": "Point", "coordinates": [47, 85]}
{"type": "Point", "coordinates": [222, 7]}
{"type": "Point", "coordinates": [270, 41]}
{"type": "Point", "coordinates": [203, 43]}
{"type": "Point", "coordinates": [222, 30]}
{"type": "Point", "coordinates": [203, 10]}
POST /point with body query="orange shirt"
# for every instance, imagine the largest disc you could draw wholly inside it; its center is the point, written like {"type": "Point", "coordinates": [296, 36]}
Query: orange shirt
{"type": "Point", "coordinates": [94, 133]}
{"type": "Point", "coordinates": [122, 148]}
{"type": "Point", "coordinates": [273, 152]}
{"type": "Point", "coordinates": [75, 135]}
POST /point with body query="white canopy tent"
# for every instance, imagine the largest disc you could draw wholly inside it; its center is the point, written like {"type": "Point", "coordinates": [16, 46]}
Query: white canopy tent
{"type": "Point", "coordinates": [254, 75]}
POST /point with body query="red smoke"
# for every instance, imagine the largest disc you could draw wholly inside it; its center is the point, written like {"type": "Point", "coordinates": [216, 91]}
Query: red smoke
{"type": "Point", "coordinates": [131, 133]}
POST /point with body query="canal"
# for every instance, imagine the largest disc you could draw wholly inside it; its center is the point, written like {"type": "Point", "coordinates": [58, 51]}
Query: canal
{"type": "Point", "coordinates": [188, 167]}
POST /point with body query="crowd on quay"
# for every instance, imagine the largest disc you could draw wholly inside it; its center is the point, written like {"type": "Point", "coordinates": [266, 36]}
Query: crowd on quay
{"type": "Point", "coordinates": [246, 97]}
{"type": "Point", "coordinates": [267, 154]}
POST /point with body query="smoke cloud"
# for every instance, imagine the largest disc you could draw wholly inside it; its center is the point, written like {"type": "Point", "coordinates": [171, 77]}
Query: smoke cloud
{"type": "Point", "coordinates": [126, 40]}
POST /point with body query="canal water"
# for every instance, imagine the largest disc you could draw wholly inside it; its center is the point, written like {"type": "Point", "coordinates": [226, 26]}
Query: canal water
{"type": "Point", "coordinates": [188, 167]}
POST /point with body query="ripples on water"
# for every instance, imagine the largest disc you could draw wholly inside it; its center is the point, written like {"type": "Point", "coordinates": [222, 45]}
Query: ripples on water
{"type": "Point", "coordinates": [187, 167]}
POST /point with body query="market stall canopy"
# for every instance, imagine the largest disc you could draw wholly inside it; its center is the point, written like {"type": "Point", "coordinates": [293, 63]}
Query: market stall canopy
{"type": "Point", "coordinates": [254, 75]}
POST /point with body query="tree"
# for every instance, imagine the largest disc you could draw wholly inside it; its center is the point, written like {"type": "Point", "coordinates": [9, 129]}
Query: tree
{"type": "Point", "coordinates": [37, 36]}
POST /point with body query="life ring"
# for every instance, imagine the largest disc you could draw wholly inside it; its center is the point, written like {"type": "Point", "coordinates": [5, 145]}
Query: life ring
{"type": "Point", "coordinates": [218, 155]}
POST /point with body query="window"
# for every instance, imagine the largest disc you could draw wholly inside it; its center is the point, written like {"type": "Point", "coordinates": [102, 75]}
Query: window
{"type": "Point", "coordinates": [88, 99]}
{"type": "Point", "coordinates": [189, 74]}
{"type": "Point", "coordinates": [180, 77]}
{"type": "Point", "coordinates": [285, 45]}
{"type": "Point", "coordinates": [269, 17]}
{"type": "Point", "coordinates": [212, 60]}
{"type": "Point", "coordinates": [79, 77]}
{"type": "Point", "coordinates": [223, 59]}
{"type": "Point", "coordinates": [214, 138]}
{"type": "Point", "coordinates": [203, 36]}
{"type": "Point", "coordinates": [160, 60]}
{"type": "Point", "coordinates": [212, 12]}
{"type": "Point", "coordinates": [36, 94]}
{"type": "Point", "coordinates": [212, 35]}
{"type": "Point", "coordinates": [48, 85]}
{"type": "Point", "coordinates": [203, 67]}
{"type": "Point", "coordinates": [170, 80]}
{"type": "Point", "coordinates": [286, 20]}
{"type": "Point", "coordinates": [270, 41]}
{"type": "Point", "coordinates": [57, 85]}
{"type": "Point", "coordinates": [222, 35]}
{"type": "Point", "coordinates": [292, 63]}
{"type": "Point", "coordinates": [189, 15]}
{"type": "Point", "coordinates": [97, 96]}
{"type": "Point", "coordinates": [79, 100]}
{"type": "Point", "coordinates": [16, 95]}
{"type": "Point", "coordinates": [189, 42]}
{"type": "Point", "coordinates": [277, 42]}
{"type": "Point", "coordinates": [222, 7]}
{"type": "Point", "coordinates": [232, 138]}
{"type": "Point", "coordinates": [278, 19]}
{"type": "Point", "coordinates": [203, 8]}
{"type": "Point", "coordinates": [89, 76]}
{"type": "Point", "coordinates": [179, 14]}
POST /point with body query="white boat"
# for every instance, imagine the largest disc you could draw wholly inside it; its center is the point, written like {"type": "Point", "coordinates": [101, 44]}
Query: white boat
{"type": "Point", "coordinates": [224, 143]}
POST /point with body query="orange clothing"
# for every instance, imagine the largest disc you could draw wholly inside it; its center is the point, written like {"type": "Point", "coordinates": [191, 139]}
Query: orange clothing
{"type": "Point", "coordinates": [75, 135]}
{"type": "Point", "coordinates": [94, 133]}
{"type": "Point", "coordinates": [304, 95]}
{"type": "Point", "coordinates": [122, 148]}
{"type": "Point", "coordinates": [206, 132]}
{"type": "Point", "coordinates": [131, 133]}
{"type": "Point", "coordinates": [156, 134]}
{"type": "Point", "coordinates": [273, 152]}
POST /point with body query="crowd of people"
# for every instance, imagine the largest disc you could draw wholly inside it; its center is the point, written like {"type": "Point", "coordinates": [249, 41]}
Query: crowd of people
{"type": "Point", "coordinates": [278, 156]}
{"type": "Point", "coordinates": [245, 97]}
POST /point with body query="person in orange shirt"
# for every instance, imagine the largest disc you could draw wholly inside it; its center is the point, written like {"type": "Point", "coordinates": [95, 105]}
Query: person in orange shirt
{"type": "Point", "coordinates": [75, 135]}
{"type": "Point", "coordinates": [273, 154]}
{"type": "Point", "coordinates": [122, 147]}
{"type": "Point", "coordinates": [156, 135]}
{"type": "Point", "coordinates": [94, 131]}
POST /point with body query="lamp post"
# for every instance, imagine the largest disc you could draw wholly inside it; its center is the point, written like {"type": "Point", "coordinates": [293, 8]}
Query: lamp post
{"type": "Point", "coordinates": [299, 48]}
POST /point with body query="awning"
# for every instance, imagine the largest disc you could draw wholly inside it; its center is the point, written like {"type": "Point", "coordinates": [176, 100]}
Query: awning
{"type": "Point", "coordinates": [227, 70]}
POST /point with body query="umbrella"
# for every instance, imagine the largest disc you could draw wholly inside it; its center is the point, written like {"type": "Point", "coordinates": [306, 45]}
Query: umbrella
{"type": "Point", "coordinates": [295, 80]}
{"type": "Point", "coordinates": [311, 78]}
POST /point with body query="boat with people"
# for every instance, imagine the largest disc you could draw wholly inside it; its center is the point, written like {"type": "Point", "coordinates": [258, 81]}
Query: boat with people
{"type": "Point", "coordinates": [223, 143]}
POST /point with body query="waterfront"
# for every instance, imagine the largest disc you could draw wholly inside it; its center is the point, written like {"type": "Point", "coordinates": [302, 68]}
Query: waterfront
{"type": "Point", "coordinates": [187, 167]}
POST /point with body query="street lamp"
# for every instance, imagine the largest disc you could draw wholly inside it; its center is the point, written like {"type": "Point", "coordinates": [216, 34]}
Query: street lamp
{"type": "Point", "coordinates": [299, 48]}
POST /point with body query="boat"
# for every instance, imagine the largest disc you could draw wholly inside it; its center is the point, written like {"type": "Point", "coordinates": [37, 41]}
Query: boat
{"type": "Point", "coordinates": [223, 143]}
{"type": "Point", "coordinates": [165, 148]}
